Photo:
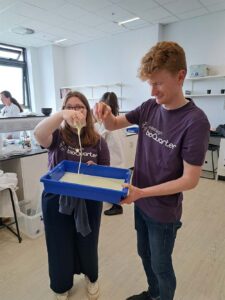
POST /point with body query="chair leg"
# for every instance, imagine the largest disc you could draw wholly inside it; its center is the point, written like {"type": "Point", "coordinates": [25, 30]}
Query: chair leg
{"type": "Point", "coordinates": [17, 233]}
{"type": "Point", "coordinates": [213, 168]}
{"type": "Point", "coordinates": [217, 151]}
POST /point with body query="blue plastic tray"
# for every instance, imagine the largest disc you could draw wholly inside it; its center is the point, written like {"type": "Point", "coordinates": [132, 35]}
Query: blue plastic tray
{"type": "Point", "coordinates": [133, 129]}
{"type": "Point", "coordinates": [53, 185]}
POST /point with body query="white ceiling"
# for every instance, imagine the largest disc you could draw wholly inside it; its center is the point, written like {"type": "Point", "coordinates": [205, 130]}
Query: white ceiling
{"type": "Point", "coordinates": [80, 21]}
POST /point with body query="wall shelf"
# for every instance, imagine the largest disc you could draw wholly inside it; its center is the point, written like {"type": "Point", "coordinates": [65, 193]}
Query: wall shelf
{"type": "Point", "coordinates": [92, 86]}
{"type": "Point", "coordinates": [205, 95]}
{"type": "Point", "coordinates": [97, 99]}
{"type": "Point", "coordinates": [94, 92]}
{"type": "Point", "coordinates": [206, 77]}
{"type": "Point", "coordinates": [198, 86]}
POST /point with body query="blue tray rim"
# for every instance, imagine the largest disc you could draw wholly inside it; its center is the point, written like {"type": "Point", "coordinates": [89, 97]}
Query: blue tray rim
{"type": "Point", "coordinates": [123, 192]}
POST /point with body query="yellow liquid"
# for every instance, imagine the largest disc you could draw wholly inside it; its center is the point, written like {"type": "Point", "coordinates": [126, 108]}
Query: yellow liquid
{"type": "Point", "coordinates": [81, 153]}
{"type": "Point", "coordinates": [79, 127]}
{"type": "Point", "coordinates": [94, 181]}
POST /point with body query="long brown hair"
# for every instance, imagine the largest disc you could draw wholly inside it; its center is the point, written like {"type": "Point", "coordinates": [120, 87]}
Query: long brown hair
{"type": "Point", "coordinates": [111, 99]}
{"type": "Point", "coordinates": [7, 94]}
{"type": "Point", "coordinates": [88, 135]}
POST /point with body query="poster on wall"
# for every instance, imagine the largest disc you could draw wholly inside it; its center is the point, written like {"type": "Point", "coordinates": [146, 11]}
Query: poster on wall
{"type": "Point", "coordinates": [64, 92]}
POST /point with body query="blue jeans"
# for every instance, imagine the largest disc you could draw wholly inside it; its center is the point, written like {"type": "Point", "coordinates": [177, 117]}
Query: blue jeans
{"type": "Point", "coordinates": [155, 242]}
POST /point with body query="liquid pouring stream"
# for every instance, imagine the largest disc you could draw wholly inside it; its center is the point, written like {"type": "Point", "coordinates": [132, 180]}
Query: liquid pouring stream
{"type": "Point", "coordinates": [79, 126]}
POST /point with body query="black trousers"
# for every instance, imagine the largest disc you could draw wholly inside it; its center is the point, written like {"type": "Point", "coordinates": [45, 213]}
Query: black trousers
{"type": "Point", "coordinates": [69, 252]}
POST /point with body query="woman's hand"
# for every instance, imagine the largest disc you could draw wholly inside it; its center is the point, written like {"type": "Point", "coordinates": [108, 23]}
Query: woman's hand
{"type": "Point", "coordinates": [134, 194]}
{"type": "Point", "coordinates": [74, 118]}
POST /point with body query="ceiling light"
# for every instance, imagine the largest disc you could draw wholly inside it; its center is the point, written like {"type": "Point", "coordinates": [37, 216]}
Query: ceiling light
{"type": "Point", "coordinates": [127, 21]}
{"type": "Point", "coordinates": [59, 41]}
{"type": "Point", "coordinates": [22, 30]}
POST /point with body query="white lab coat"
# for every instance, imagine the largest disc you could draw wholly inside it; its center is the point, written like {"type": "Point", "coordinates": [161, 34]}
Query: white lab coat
{"type": "Point", "coordinates": [115, 140]}
{"type": "Point", "coordinates": [11, 111]}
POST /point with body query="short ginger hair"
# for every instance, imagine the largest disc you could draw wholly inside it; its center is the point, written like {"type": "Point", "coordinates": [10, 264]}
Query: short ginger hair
{"type": "Point", "coordinates": [167, 56]}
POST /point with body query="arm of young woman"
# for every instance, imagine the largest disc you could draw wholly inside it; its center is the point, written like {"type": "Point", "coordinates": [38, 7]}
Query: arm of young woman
{"type": "Point", "coordinates": [44, 130]}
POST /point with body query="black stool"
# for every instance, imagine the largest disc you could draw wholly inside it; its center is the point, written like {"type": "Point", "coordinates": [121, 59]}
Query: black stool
{"type": "Point", "coordinates": [8, 226]}
{"type": "Point", "coordinates": [212, 148]}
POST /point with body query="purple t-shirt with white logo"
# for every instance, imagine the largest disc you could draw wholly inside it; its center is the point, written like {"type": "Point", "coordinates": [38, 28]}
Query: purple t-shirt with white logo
{"type": "Point", "coordinates": [166, 138]}
{"type": "Point", "coordinates": [59, 151]}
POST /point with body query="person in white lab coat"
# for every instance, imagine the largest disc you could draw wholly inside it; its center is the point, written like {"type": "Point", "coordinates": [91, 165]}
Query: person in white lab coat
{"type": "Point", "coordinates": [114, 140]}
{"type": "Point", "coordinates": [11, 108]}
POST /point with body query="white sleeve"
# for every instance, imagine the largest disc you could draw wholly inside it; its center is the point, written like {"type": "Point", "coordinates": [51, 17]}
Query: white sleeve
{"type": "Point", "coordinates": [100, 128]}
{"type": "Point", "coordinates": [115, 140]}
{"type": "Point", "coordinates": [3, 111]}
{"type": "Point", "coordinates": [14, 111]}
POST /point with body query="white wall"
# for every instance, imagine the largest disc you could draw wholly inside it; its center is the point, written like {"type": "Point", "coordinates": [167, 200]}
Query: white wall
{"type": "Point", "coordinates": [204, 42]}
{"type": "Point", "coordinates": [59, 73]}
{"type": "Point", "coordinates": [46, 73]}
{"type": "Point", "coordinates": [34, 78]}
{"type": "Point", "coordinates": [111, 60]}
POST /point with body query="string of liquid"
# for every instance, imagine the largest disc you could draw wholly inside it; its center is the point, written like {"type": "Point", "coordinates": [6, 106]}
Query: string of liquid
{"type": "Point", "coordinates": [78, 127]}
{"type": "Point", "coordinates": [100, 124]}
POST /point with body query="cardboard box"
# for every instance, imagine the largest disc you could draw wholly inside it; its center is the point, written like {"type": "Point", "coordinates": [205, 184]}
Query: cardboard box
{"type": "Point", "coordinates": [198, 71]}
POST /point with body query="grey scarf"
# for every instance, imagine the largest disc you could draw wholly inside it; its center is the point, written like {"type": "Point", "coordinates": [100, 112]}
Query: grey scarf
{"type": "Point", "coordinates": [69, 205]}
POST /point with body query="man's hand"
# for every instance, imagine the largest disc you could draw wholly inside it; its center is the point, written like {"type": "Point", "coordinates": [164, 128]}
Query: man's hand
{"type": "Point", "coordinates": [101, 111]}
{"type": "Point", "coordinates": [90, 163]}
{"type": "Point", "coordinates": [134, 194]}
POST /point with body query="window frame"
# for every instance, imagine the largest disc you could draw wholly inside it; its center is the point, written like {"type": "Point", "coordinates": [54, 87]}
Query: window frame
{"type": "Point", "coordinates": [22, 64]}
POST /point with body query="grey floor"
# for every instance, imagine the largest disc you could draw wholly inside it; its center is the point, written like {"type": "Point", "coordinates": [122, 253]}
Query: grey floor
{"type": "Point", "coordinates": [199, 255]}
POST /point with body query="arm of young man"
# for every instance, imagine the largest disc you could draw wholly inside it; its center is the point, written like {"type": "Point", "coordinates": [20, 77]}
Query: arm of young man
{"type": "Point", "coordinates": [187, 181]}
{"type": "Point", "coordinates": [103, 113]}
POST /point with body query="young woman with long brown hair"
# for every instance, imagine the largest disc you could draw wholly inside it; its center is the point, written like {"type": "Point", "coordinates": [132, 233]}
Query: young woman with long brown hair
{"type": "Point", "coordinates": [11, 108]}
{"type": "Point", "coordinates": [72, 229]}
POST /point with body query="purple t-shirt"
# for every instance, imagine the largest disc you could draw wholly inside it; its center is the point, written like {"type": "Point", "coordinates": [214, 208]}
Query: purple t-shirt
{"type": "Point", "coordinates": [59, 151]}
{"type": "Point", "coordinates": [165, 139]}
